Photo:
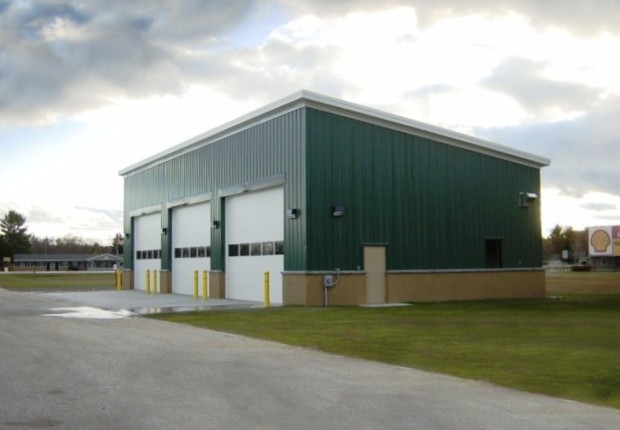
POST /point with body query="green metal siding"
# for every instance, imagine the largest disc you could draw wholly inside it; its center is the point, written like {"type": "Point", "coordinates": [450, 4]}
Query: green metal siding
{"type": "Point", "coordinates": [274, 147]}
{"type": "Point", "coordinates": [432, 204]}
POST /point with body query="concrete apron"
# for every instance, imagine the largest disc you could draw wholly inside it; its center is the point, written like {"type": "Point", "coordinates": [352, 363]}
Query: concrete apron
{"type": "Point", "coordinates": [132, 302]}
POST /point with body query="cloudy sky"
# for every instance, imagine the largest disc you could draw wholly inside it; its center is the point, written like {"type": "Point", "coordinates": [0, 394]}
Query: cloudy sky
{"type": "Point", "coordinates": [88, 87]}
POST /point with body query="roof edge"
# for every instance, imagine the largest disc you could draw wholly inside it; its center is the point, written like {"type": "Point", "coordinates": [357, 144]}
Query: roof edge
{"type": "Point", "coordinates": [252, 117]}
{"type": "Point", "coordinates": [311, 99]}
{"type": "Point", "coordinates": [444, 135]}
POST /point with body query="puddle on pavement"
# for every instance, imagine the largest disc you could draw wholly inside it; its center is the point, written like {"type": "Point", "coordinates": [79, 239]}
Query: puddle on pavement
{"type": "Point", "coordinates": [87, 312]}
{"type": "Point", "coordinates": [171, 309]}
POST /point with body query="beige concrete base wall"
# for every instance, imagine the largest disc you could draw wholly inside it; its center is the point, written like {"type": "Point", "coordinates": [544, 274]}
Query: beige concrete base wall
{"type": "Point", "coordinates": [307, 290]}
{"type": "Point", "coordinates": [217, 282]}
{"type": "Point", "coordinates": [165, 282]}
{"type": "Point", "coordinates": [217, 285]}
{"type": "Point", "coordinates": [296, 290]}
{"type": "Point", "coordinates": [424, 287]}
{"type": "Point", "coordinates": [127, 279]}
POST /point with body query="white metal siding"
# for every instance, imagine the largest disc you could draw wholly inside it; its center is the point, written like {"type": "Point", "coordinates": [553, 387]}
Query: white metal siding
{"type": "Point", "coordinates": [254, 220]}
{"type": "Point", "coordinates": [191, 243]}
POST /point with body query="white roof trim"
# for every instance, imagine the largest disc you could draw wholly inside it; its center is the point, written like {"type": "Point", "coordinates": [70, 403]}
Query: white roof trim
{"type": "Point", "coordinates": [193, 200]}
{"type": "Point", "coordinates": [145, 211]}
{"type": "Point", "coordinates": [260, 184]}
{"type": "Point", "coordinates": [340, 107]}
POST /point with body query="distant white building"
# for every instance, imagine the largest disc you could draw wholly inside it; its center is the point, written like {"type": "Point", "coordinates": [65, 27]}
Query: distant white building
{"type": "Point", "coordinates": [604, 247]}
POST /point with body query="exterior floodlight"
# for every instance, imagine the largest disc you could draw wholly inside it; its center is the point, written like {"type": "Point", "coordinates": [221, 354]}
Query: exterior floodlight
{"type": "Point", "coordinates": [215, 225]}
{"type": "Point", "coordinates": [527, 199]}
{"type": "Point", "coordinates": [337, 211]}
{"type": "Point", "coordinates": [292, 213]}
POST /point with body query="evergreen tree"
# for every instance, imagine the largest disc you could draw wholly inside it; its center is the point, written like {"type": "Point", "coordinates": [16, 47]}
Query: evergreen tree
{"type": "Point", "coordinates": [565, 239]}
{"type": "Point", "coordinates": [14, 234]}
{"type": "Point", "coordinates": [4, 251]}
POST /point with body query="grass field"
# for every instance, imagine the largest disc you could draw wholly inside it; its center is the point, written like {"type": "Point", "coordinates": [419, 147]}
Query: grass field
{"type": "Point", "coordinates": [583, 283]}
{"type": "Point", "coordinates": [565, 347]}
{"type": "Point", "coordinates": [57, 281]}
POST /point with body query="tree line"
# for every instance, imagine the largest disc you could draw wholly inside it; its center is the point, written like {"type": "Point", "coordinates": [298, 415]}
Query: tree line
{"type": "Point", "coordinates": [15, 239]}
{"type": "Point", "coordinates": [565, 239]}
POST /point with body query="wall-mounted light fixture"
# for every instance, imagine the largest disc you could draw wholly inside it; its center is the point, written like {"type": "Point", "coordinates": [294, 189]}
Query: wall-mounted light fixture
{"type": "Point", "coordinates": [215, 225]}
{"type": "Point", "coordinates": [127, 235]}
{"type": "Point", "coordinates": [164, 231]}
{"type": "Point", "coordinates": [337, 210]}
{"type": "Point", "coordinates": [292, 213]}
{"type": "Point", "coordinates": [527, 199]}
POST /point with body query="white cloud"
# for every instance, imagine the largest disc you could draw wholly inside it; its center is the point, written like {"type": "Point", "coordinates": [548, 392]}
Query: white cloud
{"type": "Point", "coordinates": [136, 129]}
{"type": "Point", "coordinates": [55, 219]}
{"type": "Point", "coordinates": [582, 17]}
{"type": "Point", "coordinates": [594, 208]}
{"type": "Point", "coordinates": [72, 185]}
{"type": "Point", "coordinates": [383, 56]}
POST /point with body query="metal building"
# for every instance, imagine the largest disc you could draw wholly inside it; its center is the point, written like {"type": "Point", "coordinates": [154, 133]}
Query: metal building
{"type": "Point", "coordinates": [341, 204]}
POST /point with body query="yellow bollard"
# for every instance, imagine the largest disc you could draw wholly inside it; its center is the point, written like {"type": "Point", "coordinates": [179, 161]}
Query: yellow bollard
{"type": "Point", "coordinates": [154, 281]}
{"type": "Point", "coordinates": [148, 281]}
{"type": "Point", "coordinates": [119, 280]}
{"type": "Point", "coordinates": [205, 285]}
{"type": "Point", "coordinates": [195, 284]}
{"type": "Point", "coordinates": [266, 289]}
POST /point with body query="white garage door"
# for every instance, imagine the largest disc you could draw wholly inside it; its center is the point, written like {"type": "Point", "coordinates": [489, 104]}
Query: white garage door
{"type": "Point", "coordinates": [255, 244]}
{"type": "Point", "coordinates": [191, 246]}
{"type": "Point", "coordinates": [147, 248]}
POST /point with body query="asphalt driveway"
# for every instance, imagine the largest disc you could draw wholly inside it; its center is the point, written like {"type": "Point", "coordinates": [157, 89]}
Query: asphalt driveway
{"type": "Point", "coordinates": [64, 365]}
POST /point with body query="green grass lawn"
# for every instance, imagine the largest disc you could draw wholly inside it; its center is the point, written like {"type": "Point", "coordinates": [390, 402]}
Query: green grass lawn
{"type": "Point", "coordinates": [566, 347]}
{"type": "Point", "coordinates": [57, 281]}
{"type": "Point", "coordinates": [583, 283]}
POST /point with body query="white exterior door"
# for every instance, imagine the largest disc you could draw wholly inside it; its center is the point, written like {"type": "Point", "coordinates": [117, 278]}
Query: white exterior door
{"type": "Point", "coordinates": [255, 244]}
{"type": "Point", "coordinates": [147, 248]}
{"type": "Point", "coordinates": [191, 246]}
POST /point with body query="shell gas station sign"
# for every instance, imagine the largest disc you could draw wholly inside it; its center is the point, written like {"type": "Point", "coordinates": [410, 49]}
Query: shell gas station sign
{"type": "Point", "coordinates": [604, 241]}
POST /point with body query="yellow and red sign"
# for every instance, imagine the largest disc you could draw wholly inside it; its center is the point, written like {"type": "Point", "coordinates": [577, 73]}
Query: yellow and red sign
{"type": "Point", "coordinates": [604, 241]}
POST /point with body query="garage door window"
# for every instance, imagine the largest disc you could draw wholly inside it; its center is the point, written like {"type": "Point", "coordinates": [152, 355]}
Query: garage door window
{"type": "Point", "coordinates": [149, 254]}
{"type": "Point", "coordinates": [268, 248]}
{"type": "Point", "coordinates": [256, 249]}
{"type": "Point", "coordinates": [193, 252]}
